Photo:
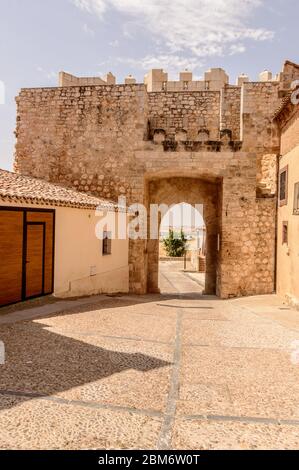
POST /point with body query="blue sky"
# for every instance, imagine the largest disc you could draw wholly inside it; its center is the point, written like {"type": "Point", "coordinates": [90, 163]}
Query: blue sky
{"type": "Point", "coordinates": [91, 37]}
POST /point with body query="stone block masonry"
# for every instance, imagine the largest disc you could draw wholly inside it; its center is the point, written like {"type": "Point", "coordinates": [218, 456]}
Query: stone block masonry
{"type": "Point", "coordinates": [217, 148]}
{"type": "Point", "coordinates": [230, 105]}
{"type": "Point", "coordinates": [187, 112]}
{"type": "Point", "coordinates": [83, 137]}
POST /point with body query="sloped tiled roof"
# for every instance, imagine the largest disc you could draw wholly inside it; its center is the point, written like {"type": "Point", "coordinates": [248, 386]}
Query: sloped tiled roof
{"type": "Point", "coordinates": [283, 103]}
{"type": "Point", "coordinates": [15, 187]}
{"type": "Point", "coordinates": [286, 105]}
{"type": "Point", "coordinates": [290, 62]}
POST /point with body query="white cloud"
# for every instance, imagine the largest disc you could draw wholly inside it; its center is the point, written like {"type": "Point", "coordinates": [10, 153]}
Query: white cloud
{"type": "Point", "coordinates": [170, 62]}
{"type": "Point", "coordinates": [92, 6]}
{"type": "Point", "coordinates": [49, 74]}
{"type": "Point", "coordinates": [114, 43]}
{"type": "Point", "coordinates": [202, 27]}
{"type": "Point", "coordinates": [236, 49]}
{"type": "Point", "coordinates": [87, 30]}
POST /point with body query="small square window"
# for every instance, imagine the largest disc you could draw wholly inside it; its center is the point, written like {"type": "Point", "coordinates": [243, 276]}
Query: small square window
{"type": "Point", "coordinates": [296, 199]}
{"type": "Point", "coordinates": [285, 234]}
{"type": "Point", "coordinates": [107, 243]}
{"type": "Point", "coordinates": [283, 186]}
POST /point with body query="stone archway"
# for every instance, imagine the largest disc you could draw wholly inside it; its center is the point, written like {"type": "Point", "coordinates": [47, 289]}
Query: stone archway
{"type": "Point", "coordinates": [174, 190]}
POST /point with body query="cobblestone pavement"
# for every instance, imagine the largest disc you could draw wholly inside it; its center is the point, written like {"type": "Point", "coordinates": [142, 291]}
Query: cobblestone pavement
{"type": "Point", "coordinates": [166, 371]}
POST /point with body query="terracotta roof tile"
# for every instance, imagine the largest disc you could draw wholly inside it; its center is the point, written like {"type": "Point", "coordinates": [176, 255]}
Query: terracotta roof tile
{"type": "Point", "coordinates": [283, 103]}
{"type": "Point", "coordinates": [18, 187]}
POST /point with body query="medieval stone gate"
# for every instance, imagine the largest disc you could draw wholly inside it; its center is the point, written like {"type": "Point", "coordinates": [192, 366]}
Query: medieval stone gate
{"type": "Point", "coordinates": [210, 143]}
{"type": "Point", "coordinates": [193, 191]}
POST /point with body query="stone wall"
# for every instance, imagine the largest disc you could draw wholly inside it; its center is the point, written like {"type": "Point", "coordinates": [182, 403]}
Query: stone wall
{"type": "Point", "coordinates": [290, 138]}
{"type": "Point", "coordinates": [263, 278]}
{"type": "Point", "coordinates": [267, 175]}
{"type": "Point", "coordinates": [288, 75]}
{"type": "Point", "coordinates": [231, 179]}
{"type": "Point", "coordinates": [186, 111]}
{"type": "Point", "coordinates": [157, 80]}
{"type": "Point", "coordinates": [67, 79]}
{"type": "Point", "coordinates": [230, 110]}
{"type": "Point", "coordinates": [259, 102]}
{"type": "Point", "coordinates": [211, 146]}
{"type": "Point", "coordinates": [83, 137]}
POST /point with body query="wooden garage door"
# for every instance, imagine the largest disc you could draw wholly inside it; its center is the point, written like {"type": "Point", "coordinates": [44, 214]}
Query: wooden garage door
{"type": "Point", "coordinates": [35, 259]}
{"type": "Point", "coordinates": [48, 219]}
{"type": "Point", "coordinates": [11, 254]}
{"type": "Point", "coordinates": [26, 254]}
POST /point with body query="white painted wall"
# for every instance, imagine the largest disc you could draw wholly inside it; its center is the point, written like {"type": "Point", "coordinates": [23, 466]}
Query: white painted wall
{"type": "Point", "coordinates": [78, 254]}
{"type": "Point", "coordinates": [288, 254]}
{"type": "Point", "coordinates": [80, 268]}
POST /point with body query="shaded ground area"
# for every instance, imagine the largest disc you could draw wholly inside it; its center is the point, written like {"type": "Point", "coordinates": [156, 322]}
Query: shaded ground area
{"type": "Point", "coordinates": [180, 371]}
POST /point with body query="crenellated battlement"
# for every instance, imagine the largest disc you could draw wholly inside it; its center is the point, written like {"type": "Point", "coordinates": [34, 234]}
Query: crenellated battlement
{"type": "Point", "coordinates": [86, 118]}
{"type": "Point", "coordinates": [157, 80]}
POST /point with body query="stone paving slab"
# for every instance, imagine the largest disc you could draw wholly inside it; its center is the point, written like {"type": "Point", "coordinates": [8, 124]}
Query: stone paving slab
{"type": "Point", "coordinates": [229, 435]}
{"type": "Point", "coordinates": [218, 365]}
{"type": "Point", "coordinates": [203, 398]}
{"type": "Point", "coordinates": [122, 321]}
{"type": "Point", "coordinates": [39, 424]}
{"type": "Point", "coordinates": [177, 370]}
{"type": "Point", "coordinates": [247, 399]}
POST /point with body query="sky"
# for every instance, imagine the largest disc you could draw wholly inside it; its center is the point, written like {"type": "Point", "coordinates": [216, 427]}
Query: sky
{"type": "Point", "coordinates": [183, 216]}
{"type": "Point", "coordinates": [92, 37]}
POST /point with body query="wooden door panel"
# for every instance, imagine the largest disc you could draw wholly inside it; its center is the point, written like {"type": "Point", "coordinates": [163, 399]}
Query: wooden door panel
{"type": "Point", "coordinates": [34, 260]}
{"type": "Point", "coordinates": [11, 249]}
{"type": "Point", "coordinates": [48, 218]}
{"type": "Point", "coordinates": [19, 280]}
